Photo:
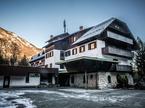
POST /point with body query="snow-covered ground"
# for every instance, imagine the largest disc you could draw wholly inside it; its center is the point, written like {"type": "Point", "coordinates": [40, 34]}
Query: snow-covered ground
{"type": "Point", "coordinates": [71, 98]}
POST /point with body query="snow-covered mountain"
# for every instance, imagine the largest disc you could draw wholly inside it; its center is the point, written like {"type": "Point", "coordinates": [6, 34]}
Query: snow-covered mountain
{"type": "Point", "coordinates": [9, 39]}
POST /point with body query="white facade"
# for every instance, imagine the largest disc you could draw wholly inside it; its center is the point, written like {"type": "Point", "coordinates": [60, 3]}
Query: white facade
{"type": "Point", "coordinates": [51, 61]}
{"type": "Point", "coordinates": [97, 52]}
{"type": "Point", "coordinates": [20, 81]}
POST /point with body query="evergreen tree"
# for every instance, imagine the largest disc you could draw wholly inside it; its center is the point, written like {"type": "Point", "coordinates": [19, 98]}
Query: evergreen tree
{"type": "Point", "coordinates": [24, 61]}
{"type": "Point", "coordinates": [3, 60]}
{"type": "Point", "coordinates": [140, 58]}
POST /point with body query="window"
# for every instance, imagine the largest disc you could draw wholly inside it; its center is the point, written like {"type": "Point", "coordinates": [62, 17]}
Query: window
{"type": "Point", "coordinates": [67, 53]}
{"type": "Point", "coordinates": [91, 76]}
{"type": "Point", "coordinates": [109, 79]}
{"type": "Point", "coordinates": [49, 54]}
{"type": "Point", "coordinates": [91, 45]}
{"type": "Point", "coordinates": [27, 78]}
{"type": "Point", "coordinates": [82, 49]}
{"type": "Point", "coordinates": [73, 39]}
{"type": "Point", "coordinates": [61, 66]}
{"type": "Point", "coordinates": [117, 27]}
{"type": "Point", "coordinates": [72, 79]}
{"type": "Point", "coordinates": [84, 79]}
{"type": "Point", "coordinates": [74, 51]}
{"type": "Point", "coordinates": [50, 65]}
{"type": "Point", "coordinates": [52, 53]}
{"type": "Point", "coordinates": [61, 55]}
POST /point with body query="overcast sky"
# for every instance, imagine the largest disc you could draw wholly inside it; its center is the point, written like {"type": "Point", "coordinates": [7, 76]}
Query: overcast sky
{"type": "Point", "coordinates": [36, 20]}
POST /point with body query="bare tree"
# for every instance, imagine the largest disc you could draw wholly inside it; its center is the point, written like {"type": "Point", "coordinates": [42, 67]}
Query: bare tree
{"type": "Point", "coordinates": [2, 45]}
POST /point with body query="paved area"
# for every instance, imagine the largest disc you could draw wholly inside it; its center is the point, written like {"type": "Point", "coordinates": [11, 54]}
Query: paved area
{"type": "Point", "coordinates": [71, 98]}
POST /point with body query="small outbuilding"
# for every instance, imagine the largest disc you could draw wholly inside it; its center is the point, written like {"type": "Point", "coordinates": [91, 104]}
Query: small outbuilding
{"type": "Point", "coordinates": [20, 76]}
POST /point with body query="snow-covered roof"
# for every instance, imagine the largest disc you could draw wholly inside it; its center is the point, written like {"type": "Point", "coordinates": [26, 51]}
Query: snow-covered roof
{"type": "Point", "coordinates": [96, 30]}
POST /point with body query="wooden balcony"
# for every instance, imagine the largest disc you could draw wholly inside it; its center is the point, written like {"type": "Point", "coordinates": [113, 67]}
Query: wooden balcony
{"type": "Point", "coordinates": [118, 37]}
{"type": "Point", "coordinates": [117, 52]}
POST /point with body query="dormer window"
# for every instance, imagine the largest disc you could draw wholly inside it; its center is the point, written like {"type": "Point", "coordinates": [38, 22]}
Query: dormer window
{"type": "Point", "coordinates": [73, 39]}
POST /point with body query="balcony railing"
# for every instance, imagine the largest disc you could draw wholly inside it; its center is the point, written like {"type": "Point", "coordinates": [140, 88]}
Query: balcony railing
{"type": "Point", "coordinates": [123, 68]}
{"type": "Point", "coordinates": [116, 51]}
{"type": "Point", "coordinates": [118, 37]}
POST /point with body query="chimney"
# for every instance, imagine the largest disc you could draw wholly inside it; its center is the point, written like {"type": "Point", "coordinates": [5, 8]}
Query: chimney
{"type": "Point", "coordinates": [51, 36]}
{"type": "Point", "coordinates": [81, 28]}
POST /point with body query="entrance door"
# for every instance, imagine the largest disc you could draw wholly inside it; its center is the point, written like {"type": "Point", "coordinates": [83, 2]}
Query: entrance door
{"type": "Point", "coordinates": [6, 82]}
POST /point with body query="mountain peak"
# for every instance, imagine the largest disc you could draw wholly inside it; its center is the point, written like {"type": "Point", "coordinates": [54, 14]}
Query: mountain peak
{"type": "Point", "coordinates": [8, 38]}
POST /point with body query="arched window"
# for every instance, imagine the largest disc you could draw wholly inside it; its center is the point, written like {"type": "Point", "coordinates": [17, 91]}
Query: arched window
{"type": "Point", "coordinates": [109, 79]}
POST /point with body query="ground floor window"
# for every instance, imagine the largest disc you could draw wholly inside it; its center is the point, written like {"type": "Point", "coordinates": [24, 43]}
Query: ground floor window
{"type": "Point", "coordinates": [50, 65]}
{"type": "Point", "coordinates": [84, 79]}
{"type": "Point", "coordinates": [72, 79]}
{"type": "Point", "coordinates": [27, 78]}
{"type": "Point", "coordinates": [91, 76]}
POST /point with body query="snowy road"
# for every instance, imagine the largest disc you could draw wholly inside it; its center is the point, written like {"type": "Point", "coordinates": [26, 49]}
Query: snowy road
{"type": "Point", "coordinates": [72, 98]}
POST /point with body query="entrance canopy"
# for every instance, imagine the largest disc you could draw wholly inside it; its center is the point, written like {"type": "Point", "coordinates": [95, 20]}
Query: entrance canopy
{"type": "Point", "coordinates": [89, 64]}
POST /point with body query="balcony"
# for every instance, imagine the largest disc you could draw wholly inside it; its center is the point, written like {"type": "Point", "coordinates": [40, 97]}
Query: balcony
{"type": "Point", "coordinates": [123, 68]}
{"type": "Point", "coordinates": [118, 37]}
{"type": "Point", "coordinates": [117, 52]}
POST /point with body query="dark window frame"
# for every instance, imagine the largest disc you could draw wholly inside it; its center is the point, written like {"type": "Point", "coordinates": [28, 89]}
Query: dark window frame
{"type": "Point", "coordinates": [50, 65]}
{"type": "Point", "coordinates": [82, 47]}
{"type": "Point", "coordinates": [90, 44]}
{"type": "Point", "coordinates": [67, 53]}
{"type": "Point", "coordinates": [61, 66]}
{"type": "Point", "coordinates": [74, 51]}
